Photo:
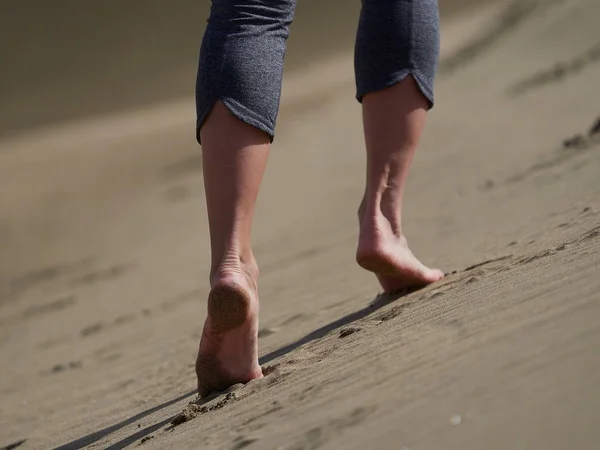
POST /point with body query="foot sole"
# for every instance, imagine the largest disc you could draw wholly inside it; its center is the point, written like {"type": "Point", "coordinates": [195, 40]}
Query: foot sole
{"type": "Point", "coordinates": [228, 306]}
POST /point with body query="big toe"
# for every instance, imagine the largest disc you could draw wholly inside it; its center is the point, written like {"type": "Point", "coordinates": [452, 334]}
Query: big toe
{"type": "Point", "coordinates": [433, 275]}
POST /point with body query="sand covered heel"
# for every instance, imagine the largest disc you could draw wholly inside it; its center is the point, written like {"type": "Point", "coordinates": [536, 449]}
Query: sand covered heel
{"type": "Point", "coordinates": [229, 306]}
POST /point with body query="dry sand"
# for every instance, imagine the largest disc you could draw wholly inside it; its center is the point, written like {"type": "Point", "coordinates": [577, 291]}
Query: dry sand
{"type": "Point", "coordinates": [104, 264]}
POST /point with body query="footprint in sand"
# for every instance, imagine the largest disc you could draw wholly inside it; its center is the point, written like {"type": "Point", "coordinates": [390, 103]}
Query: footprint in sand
{"type": "Point", "coordinates": [92, 329]}
{"type": "Point", "coordinates": [264, 332]}
{"type": "Point", "coordinates": [301, 317]}
{"type": "Point", "coordinates": [273, 375]}
{"type": "Point", "coordinates": [348, 331]}
{"type": "Point", "coordinates": [102, 275]}
{"type": "Point", "coordinates": [59, 368]}
{"type": "Point", "coordinates": [242, 442]}
{"type": "Point", "coordinates": [51, 307]}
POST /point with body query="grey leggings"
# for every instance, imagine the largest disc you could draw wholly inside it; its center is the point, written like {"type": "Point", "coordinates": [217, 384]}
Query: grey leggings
{"type": "Point", "coordinates": [242, 53]}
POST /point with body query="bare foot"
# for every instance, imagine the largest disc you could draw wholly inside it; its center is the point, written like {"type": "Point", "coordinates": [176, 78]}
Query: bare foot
{"type": "Point", "coordinates": [228, 352]}
{"type": "Point", "coordinates": [389, 258]}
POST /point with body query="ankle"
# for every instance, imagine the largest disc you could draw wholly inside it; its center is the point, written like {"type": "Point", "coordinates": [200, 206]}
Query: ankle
{"type": "Point", "coordinates": [380, 213]}
{"type": "Point", "coordinates": [234, 264]}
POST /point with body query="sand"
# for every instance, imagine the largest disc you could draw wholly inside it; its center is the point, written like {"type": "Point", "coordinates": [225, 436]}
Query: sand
{"type": "Point", "coordinates": [104, 263]}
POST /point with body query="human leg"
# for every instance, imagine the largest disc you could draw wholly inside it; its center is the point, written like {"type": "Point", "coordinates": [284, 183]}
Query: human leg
{"type": "Point", "coordinates": [238, 90]}
{"type": "Point", "coordinates": [396, 55]}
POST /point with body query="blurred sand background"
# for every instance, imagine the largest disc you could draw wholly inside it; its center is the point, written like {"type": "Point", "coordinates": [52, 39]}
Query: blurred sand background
{"type": "Point", "coordinates": [104, 244]}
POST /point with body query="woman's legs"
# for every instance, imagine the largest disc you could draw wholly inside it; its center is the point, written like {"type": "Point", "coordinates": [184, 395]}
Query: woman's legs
{"type": "Point", "coordinates": [239, 84]}
{"type": "Point", "coordinates": [238, 90]}
{"type": "Point", "coordinates": [397, 48]}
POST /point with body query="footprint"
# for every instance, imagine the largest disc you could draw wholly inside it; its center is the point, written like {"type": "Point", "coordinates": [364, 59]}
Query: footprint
{"type": "Point", "coordinates": [92, 329]}
{"type": "Point", "coordinates": [203, 405]}
{"type": "Point", "coordinates": [33, 278]}
{"type": "Point", "coordinates": [146, 439]}
{"type": "Point", "coordinates": [545, 253]}
{"type": "Point", "coordinates": [532, 258]}
{"type": "Point", "coordinates": [575, 142]}
{"type": "Point", "coordinates": [101, 275]}
{"type": "Point", "coordinates": [44, 275]}
{"type": "Point", "coordinates": [558, 72]}
{"type": "Point", "coordinates": [348, 331]}
{"type": "Point", "coordinates": [297, 318]}
{"type": "Point", "coordinates": [590, 235]}
{"type": "Point", "coordinates": [53, 306]}
{"type": "Point", "coordinates": [487, 262]}
{"type": "Point", "coordinates": [59, 368]}
{"type": "Point", "coordinates": [217, 400]}
{"type": "Point", "coordinates": [122, 320]}
{"type": "Point", "coordinates": [264, 332]}
{"type": "Point", "coordinates": [243, 442]}
{"type": "Point", "coordinates": [394, 311]}
{"type": "Point", "coordinates": [570, 148]}
{"type": "Point", "coordinates": [565, 225]}
{"type": "Point", "coordinates": [514, 14]}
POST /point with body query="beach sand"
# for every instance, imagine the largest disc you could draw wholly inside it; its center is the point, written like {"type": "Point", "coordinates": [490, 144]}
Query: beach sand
{"type": "Point", "coordinates": [104, 251]}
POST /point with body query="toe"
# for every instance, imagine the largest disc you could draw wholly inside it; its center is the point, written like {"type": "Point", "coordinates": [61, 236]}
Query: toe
{"type": "Point", "coordinates": [435, 275]}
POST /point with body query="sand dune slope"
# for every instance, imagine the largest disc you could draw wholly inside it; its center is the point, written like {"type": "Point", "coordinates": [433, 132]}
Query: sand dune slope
{"type": "Point", "coordinates": [104, 264]}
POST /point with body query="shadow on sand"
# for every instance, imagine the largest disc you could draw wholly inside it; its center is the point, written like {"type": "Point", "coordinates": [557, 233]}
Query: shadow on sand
{"type": "Point", "coordinates": [379, 302]}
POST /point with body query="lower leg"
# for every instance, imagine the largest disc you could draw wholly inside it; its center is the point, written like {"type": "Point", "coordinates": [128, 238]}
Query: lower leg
{"type": "Point", "coordinates": [396, 54]}
{"type": "Point", "coordinates": [393, 120]}
{"type": "Point", "coordinates": [234, 158]}
{"type": "Point", "coordinates": [237, 100]}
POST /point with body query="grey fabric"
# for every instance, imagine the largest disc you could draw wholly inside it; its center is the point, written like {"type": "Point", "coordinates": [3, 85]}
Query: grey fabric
{"type": "Point", "coordinates": [243, 49]}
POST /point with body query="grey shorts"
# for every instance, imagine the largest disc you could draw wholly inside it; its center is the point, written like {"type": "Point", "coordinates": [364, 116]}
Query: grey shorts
{"type": "Point", "coordinates": [243, 49]}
